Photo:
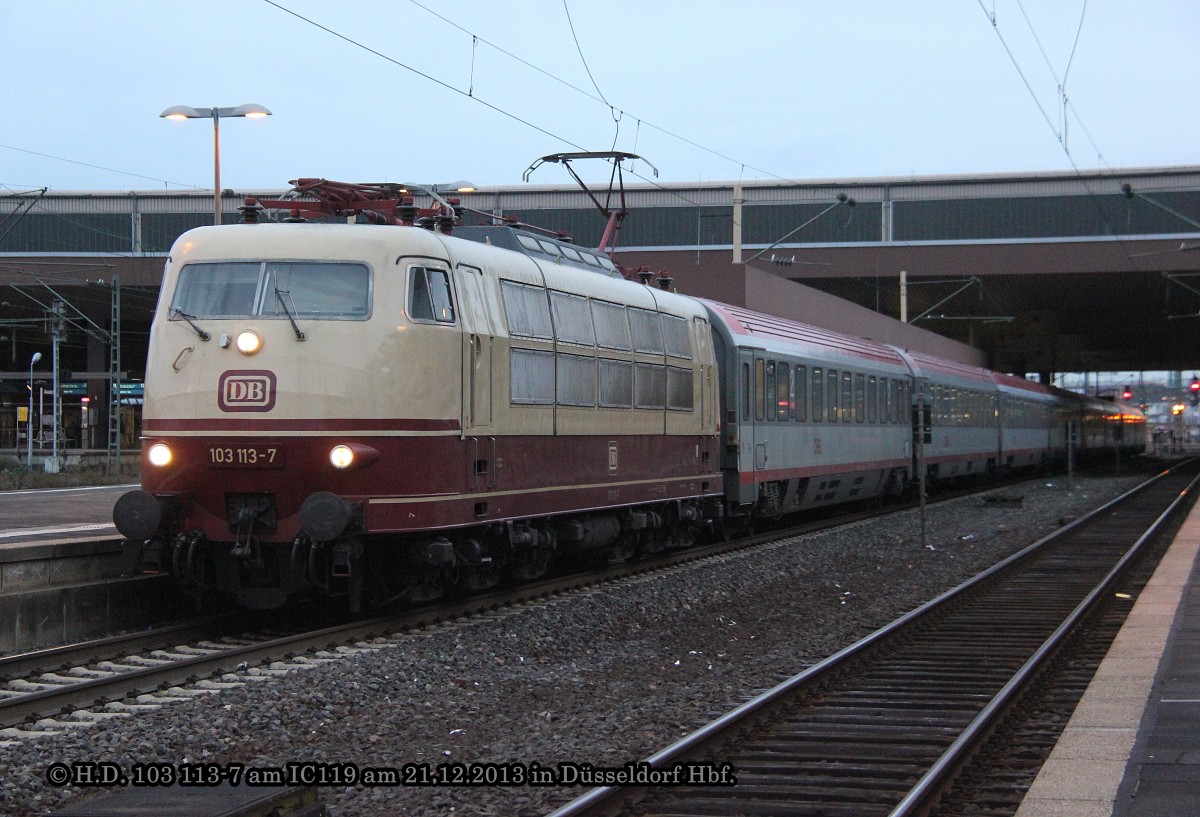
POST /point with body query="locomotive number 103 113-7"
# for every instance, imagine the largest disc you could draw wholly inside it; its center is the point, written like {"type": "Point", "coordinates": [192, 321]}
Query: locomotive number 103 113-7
{"type": "Point", "coordinates": [260, 456]}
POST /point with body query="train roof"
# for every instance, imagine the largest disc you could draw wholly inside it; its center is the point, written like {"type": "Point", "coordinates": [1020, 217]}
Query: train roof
{"type": "Point", "coordinates": [750, 327]}
{"type": "Point", "coordinates": [543, 248]}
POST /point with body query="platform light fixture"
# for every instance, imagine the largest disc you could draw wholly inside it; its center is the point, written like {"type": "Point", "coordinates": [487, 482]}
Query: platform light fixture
{"type": "Point", "coordinates": [180, 112]}
{"type": "Point", "coordinates": [29, 417]}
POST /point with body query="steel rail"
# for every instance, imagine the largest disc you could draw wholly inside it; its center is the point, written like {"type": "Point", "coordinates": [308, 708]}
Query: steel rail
{"type": "Point", "coordinates": [945, 766]}
{"type": "Point", "coordinates": [609, 799]}
{"type": "Point", "coordinates": [32, 705]}
{"type": "Point", "coordinates": [19, 665]}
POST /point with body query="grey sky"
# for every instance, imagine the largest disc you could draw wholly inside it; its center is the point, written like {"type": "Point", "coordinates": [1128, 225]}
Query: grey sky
{"type": "Point", "coordinates": [794, 89]}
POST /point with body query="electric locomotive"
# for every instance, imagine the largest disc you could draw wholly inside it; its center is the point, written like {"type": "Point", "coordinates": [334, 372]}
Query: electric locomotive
{"type": "Point", "coordinates": [397, 412]}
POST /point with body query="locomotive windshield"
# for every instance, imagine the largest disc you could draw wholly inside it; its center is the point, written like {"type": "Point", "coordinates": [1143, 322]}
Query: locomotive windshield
{"type": "Point", "coordinates": [305, 289]}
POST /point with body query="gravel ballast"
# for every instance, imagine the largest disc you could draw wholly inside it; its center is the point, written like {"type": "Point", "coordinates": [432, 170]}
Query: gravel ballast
{"type": "Point", "coordinates": [605, 677]}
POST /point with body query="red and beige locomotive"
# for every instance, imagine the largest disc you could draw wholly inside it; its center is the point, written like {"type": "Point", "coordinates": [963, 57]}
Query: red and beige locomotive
{"type": "Point", "coordinates": [399, 411]}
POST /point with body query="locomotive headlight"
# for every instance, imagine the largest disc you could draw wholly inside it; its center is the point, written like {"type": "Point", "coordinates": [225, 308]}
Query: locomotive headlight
{"type": "Point", "coordinates": [342, 456]}
{"type": "Point", "coordinates": [352, 456]}
{"type": "Point", "coordinates": [159, 454]}
{"type": "Point", "coordinates": [248, 342]}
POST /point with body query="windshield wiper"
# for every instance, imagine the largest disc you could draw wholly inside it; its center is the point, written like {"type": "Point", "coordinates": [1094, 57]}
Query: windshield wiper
{"type": "Point", "coordinates": [179, 313]}
{"type": "Point", "coordinates": [279, 293]}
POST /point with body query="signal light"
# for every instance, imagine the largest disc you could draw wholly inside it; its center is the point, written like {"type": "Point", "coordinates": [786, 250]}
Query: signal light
{"type": "Point", "coordinates": [1194, 388]}
{"type": "Point", "coordinates": [1127, 394]}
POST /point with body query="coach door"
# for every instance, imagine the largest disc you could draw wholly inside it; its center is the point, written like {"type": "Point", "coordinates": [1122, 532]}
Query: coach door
{"type": "Point", "coordinates": [752, 453]}
{"type": "Point", "coordinates": [478, 337]}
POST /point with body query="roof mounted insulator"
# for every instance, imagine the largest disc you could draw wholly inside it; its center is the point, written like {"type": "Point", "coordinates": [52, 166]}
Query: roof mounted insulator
{"type": "Point", "coordinates": [294, 217]}
{"type": "Point", "coordinates": [665, 281]}
{"type": "Point", "coordinates": [251, 210]}
{"type": "Point", "coordinates": [645, 275]}
{"type": "Point", "coordinates": [407, 211]}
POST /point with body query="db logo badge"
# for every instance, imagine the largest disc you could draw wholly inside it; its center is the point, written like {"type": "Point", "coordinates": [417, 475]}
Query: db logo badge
{"type": "Point", "coordinates": [250, 390]}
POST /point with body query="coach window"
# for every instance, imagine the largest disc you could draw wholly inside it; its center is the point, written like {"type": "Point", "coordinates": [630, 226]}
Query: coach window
{"type": "Point", "coordinates": [771, 400]}
{"type": "Point", "coordinates": [801, 394]}
{"type": "Point", "coordinates": [745, 391]}
{"type": "Point", "coordinates": [787, 401]}
{"type": "Point", "coordinates": [760, 388]}
{"type": "Point", "coordinates": [429, 295]}
{"type": "Point", "coordinates": [847, 393]}
{"type": "Point", "coordinates": [860, 399]}
{"type": "Point", "coordinates": [831, 396]}
{"type": "Point", "coordinates": [818, 395]}
{"type": "Point", "coordinates": [872, 400]}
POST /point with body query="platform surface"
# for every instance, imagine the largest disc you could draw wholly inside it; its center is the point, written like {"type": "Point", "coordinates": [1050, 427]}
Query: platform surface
{"type": "Point", "coordinates": [1132, 748]}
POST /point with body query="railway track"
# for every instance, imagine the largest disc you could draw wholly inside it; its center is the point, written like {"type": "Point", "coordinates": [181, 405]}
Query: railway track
{"type": "Point", "coordinates": [884, 726]}
{"type": "Point", "coordinates": [65, 686]}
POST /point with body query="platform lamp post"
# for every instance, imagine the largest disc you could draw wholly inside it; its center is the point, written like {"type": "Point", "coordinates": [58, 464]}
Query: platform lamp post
{"type": "Point", "coordinates": [29, 417]}
{"type": "Point", "coordinates": [179, 112]}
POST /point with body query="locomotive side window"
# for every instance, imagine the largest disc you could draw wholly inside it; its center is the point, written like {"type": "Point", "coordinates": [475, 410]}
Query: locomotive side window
{"type": "Point", "coordinates": [818, 396]}
{"type": "Point", "coordinates": [646, 331]}
{"type": "Point", "coordinates": [572, 320]}
{"type": "Point", "coordinates": [531, 377]}
{"type": "Point", "coordinates": [649, 386]}
{"type": "Point", "coordinates": [616, 384]}
{"type": "Point", "coordinates": [612, 327]}
{"type": "Point", "coordinates": [526, 310]}
{"type": "Point", "coordinates": [679, 389]}
{"type": "Point", "coordinates": [429, 296]}
{"type": "Point", "coordinates": [801, 394]}
{"type": "Point", "coordinates": [675, 337]}
{"type": "Point", "coordinates": [576, 381]}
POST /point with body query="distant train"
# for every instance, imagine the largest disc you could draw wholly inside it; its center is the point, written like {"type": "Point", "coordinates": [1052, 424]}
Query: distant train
{"type": "Point", "coordinates": [398, 412]}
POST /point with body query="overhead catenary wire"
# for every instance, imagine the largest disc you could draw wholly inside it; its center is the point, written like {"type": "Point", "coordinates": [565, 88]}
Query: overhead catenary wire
{"type": "Point", "coordinates": [1092, 196]}
{"type": "Point", "coordinates": [98, 167]}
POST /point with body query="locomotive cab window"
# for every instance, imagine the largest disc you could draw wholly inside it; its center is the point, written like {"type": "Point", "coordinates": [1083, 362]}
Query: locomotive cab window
{"type": "Point", "coordinates": [429, 297]}
{"type": "Point", "coordinates": [306, 289]}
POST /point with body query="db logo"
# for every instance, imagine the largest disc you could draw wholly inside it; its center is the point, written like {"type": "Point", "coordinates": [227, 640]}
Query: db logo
{"type": "Point", "coordinates": [252, 390]}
